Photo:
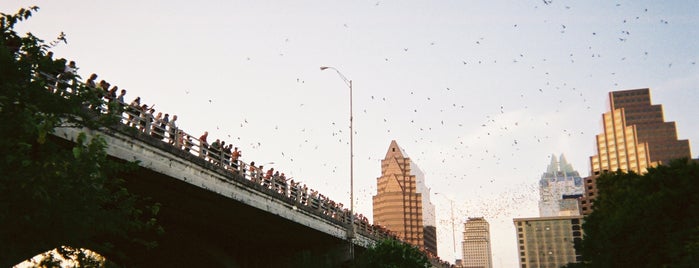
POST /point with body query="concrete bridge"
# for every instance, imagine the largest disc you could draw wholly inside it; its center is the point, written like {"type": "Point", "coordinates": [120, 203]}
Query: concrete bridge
{"type": "Point", "coordinates": [217, 215]}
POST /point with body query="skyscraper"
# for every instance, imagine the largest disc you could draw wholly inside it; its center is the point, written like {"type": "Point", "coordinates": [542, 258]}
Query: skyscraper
{"type": "Point", "coordinates": [548, 241]}
{"type": "Point", "coordinates": [476, 244]}
{"type": "Point", "coordinates": [618, 146]}
{"type": "Point", "coordinates": [635, 137]}
{"type": "Point", "coordinates": [400, 199]}
{"type": "Point", "coordinates": [560, 179]}
{"type": "Point", "coordinates": [650, 124]}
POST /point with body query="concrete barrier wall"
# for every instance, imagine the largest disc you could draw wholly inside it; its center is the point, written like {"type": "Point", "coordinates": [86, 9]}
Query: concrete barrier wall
{"type": "Point", "coordinates": [123, 143]}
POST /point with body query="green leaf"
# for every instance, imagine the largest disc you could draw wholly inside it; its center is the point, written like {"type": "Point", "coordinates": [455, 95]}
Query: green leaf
{"type": "Point", "coordinates": [76, 152]}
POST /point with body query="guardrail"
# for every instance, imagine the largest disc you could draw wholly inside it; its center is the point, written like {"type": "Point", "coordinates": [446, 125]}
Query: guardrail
{"type": "Point", "coordinates": [139, 117]}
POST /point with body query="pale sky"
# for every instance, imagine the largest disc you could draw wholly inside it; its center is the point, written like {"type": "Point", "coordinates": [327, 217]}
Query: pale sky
{"type": "Point", "coordinates": [478, 93]}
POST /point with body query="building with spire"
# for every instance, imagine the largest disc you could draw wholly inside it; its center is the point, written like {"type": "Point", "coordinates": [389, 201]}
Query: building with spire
{"type": "Point", "coordinates": [476, 244]}
{"type": "Point", "coordinates": [560, 180]}
{"type": "Point", "coordinates": [402, 203]}
{"type": "Point", "coordinates": [549, 240]}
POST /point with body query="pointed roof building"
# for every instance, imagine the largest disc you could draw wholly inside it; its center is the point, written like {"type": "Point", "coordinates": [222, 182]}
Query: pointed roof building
{"type": "Point", "coordinates": [400, 199]}
{"type": "Point", "coordinates": [559, 180]}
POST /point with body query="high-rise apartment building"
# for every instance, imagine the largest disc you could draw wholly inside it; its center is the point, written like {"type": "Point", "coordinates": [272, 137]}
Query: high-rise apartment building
{"type": "Point", "coordinates": [635, 137]}
{"type": "Point", "coordinates": [548, 241]}
{"type": "Point", "coordinates": [559, 180]}
{"type": "Point", "coordinates": [476, 244]}
{"type": "Point", "coordinates": [401, 203]}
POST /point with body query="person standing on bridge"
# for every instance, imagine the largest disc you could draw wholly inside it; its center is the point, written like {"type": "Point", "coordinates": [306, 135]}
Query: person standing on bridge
{"type": "Point", "coordinates": [251, 170]}
{"type": "Point", "coordinates": [120, 98]}
{"type": "Point", "coordinates": [234, 158]}
{"type": "Point", "coordinates": [91, 81]}
{"type": "Point", "coordinates": [155, 127]}
{"type": "Point", "coordinates": [215, 151]}
{"type": "Point", "coordinates": [146, 118]}
{"type": "Point", "coordinates": [172, 130]}
{"type": "Point", "coordinates": [226, 155]}
{"type": "Point", "coordinates": [134, 111]}
{"type": "Point", "coordinates": [203, 145]}
{"type": "Point", "coordinates": [163, 125]}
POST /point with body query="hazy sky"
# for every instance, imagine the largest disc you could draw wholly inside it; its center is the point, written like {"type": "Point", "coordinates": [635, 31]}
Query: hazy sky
{"type": "Point", "coordinates": [478, 93]}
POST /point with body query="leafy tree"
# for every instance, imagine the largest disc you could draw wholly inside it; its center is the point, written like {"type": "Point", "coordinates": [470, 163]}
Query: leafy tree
{"type": "Point", "coordinates": [54, 193]}
{"type": "Point", "coordinates": [649, 220]}
{"type": "Point", "coordinates": [390, 253]}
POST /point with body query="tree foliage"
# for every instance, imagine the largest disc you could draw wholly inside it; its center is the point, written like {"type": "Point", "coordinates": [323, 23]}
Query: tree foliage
{"type": "Point", "coordinates": [54, 193]}
{"type": "Point", "coordinates": [649, 220]}
{"type": "Point", "coordinates": [392, 253]}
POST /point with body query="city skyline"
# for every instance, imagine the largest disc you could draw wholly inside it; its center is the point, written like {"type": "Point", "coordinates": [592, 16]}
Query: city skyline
{"type": "Point", "coordinates": [480, 93]}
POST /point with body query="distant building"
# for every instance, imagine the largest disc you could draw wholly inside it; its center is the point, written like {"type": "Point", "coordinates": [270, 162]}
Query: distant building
{"type": "Point", "coordinates": [590, 194]}
{"type": "Point", "coordinates": [618, 147]}
{"type": "Point", "coordinates": [429, 218]}
{"type": "Point", "coordinates": [650, 124]}
{"type": "Point", "coordinates": [559, 180]}
{"type": "Point", "coordinates": [402, 203]}
{"type": "Point", "coordinates": [548, 241]}
{"type": "Point", "coordinates": [635, 137]}
{"type": "Point", "coordinates": [476, 244]}
{"type": "Point", "coordinates": [570, 205]}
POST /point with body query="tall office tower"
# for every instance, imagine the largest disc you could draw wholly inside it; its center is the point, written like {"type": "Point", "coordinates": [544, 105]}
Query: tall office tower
{"type": "Point", "coordinates": [650, 124]}
{"type": "Point", "coordinates": [635, 137]}
{"type": "Point", "coordinates": [559, 180]}
{"type": "Point", "coordinates": [618, 146]}
{"type": "Point", "coordinates": [476, 244]}
{"type": "Point", "coordinates": [398, 205]}
{"type": "Point", "coordinates": [548, 241]}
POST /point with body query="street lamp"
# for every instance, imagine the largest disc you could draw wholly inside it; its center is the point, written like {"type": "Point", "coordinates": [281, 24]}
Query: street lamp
{"type": "Point", "coordinates": [350, 231]}
{"type": "Point", "coordinates": [453, 232]}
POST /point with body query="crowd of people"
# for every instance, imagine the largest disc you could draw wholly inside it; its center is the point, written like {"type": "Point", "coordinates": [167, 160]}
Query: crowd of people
{"type": "Point", "coordinates": [164, 128]}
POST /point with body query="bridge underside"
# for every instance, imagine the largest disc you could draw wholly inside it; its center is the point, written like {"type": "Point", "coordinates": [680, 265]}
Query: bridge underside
{"type": "Point", "coordinates": [204, 229]}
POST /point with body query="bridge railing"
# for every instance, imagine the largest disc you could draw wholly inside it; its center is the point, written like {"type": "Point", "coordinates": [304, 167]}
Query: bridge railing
{"type": "Point", "coordinates": [140, 118]}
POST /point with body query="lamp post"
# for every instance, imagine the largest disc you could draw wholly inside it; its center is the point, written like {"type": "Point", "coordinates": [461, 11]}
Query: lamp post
{"type": "Point", "coordinates": [453, 232]}
{"type": "Point", "coordinates": [350, 231]}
